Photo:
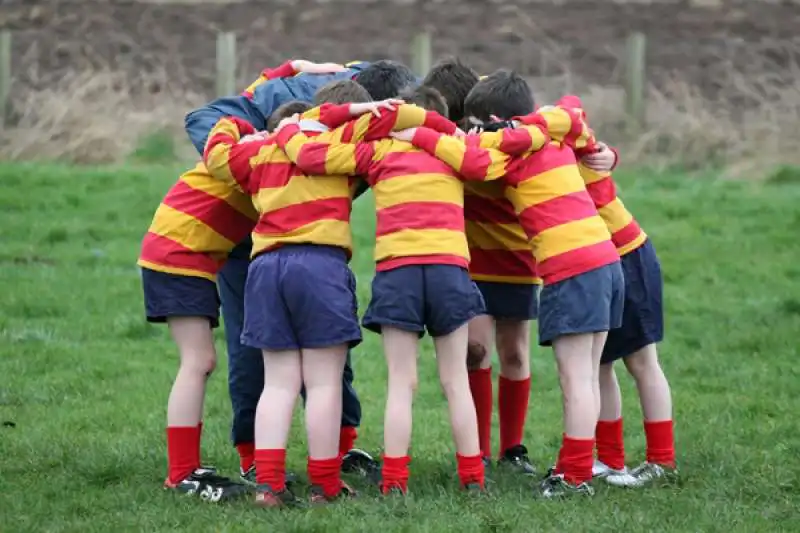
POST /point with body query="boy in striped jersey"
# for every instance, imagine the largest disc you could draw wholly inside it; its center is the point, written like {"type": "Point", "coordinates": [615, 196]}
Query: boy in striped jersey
{"type": "Point", "coordinates": [300, 307]}
{"type": "Point", "coordinates": [421, 282]}
{"type": "Point", "coordinates": [583, 283]}
{"type": "Point", "coordinates": [193, 231]}
{"type": "Point", "coordinates": [503, 268]}
{"type": "Point", "coordinates": [382, 79]}
{"type": "Point", "coordinates": [635, 341]}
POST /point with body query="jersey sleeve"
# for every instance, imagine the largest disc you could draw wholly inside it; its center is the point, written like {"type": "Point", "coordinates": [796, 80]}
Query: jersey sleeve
{"type": "Point", "coordinates": [225, 158]}
{"type": "Point", "coordinates": [324, 157]}
{"type": "Point", "coordinates": [286, 70]}
{"type": "Point", "coordinates": [368, 127]}
{"type": "Point", "coordinates": [472, 161]}
{"type": "Point", "coordinates": [566, 123]}
{"type": "Point", "coordinates": [529, 137]}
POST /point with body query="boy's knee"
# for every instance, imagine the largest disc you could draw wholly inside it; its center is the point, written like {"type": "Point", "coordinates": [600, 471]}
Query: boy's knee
{"type": "Point", "coordinates": [408, 383]}
{"type": "Point", "coordinates": [476, 353]}
{"type": "Point", "coordinates": [203, 364]}
{"type": "Point", "coordinates": [641, 363]}
{"type": "Point", "coordinates": [511, 355]}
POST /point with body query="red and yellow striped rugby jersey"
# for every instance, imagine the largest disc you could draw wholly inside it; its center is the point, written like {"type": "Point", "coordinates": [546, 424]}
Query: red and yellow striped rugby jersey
{"type": "Point", "coordinates": [498, 245]}
{"type": "Point", "coordinates": [419, 199]}
{"type": "Point", "coordinates": [293, 207]}
{"type": "Point", "coordinates": [201, 219]}
{"type": "Point", "coordinates": [198, 223]}
{"type": "Point", "coordinates": [567, 235]}
{"type": "Point", "coordinates": [626, 233]}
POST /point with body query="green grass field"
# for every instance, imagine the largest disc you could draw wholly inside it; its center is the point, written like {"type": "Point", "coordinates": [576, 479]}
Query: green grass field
{"type": "Point", "coordinates": [85, 380]}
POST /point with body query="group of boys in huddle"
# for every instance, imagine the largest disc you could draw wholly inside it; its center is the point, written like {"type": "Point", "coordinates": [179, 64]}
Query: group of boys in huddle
{"type": "Point", "coordinates": [469, 226]}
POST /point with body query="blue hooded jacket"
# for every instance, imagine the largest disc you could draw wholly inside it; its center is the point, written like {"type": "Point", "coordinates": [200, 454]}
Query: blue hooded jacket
{"type": "Point", "coordinates": [267, 97]}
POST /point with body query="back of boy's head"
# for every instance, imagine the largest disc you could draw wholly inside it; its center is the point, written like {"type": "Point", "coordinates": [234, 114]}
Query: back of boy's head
{"type": "Point", "coordinates": [454, 80]}
{"type": "Point", "coordinates": [286, 110]}
{"type": "Point", "coordinates": [385, 79]}
{"type": "Point", "coordinates": [504, 93]}
{"type": "Point", "coordinates": [426, 98]}
{"type": "Point", "coordinates": [341, 92]}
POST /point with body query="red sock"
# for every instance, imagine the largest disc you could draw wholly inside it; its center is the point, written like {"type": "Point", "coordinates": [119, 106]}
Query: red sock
{"type": "Point", "coordinates": [347, 438]}
{"type": "Point", "coordinates": [512, 400]}
{"type": "Point", "coordinates": [271, 468]}
{"type": "Point", "coordinates": [470, 469]}
{"type": "Point", "coordinates": [199, 440]}
{"type": "Point", "coordinates": [183, 444]}
{"type": "Point", "coordinates": [325, 473]}
{"type": "Point", "coordinates": [480, 384]}
{"type": "Point", "coordinates": [660, 442]}
{"type": "Point", "coordinates": [610, 443]}
{"type": "Point", "coordinates": [247, 455]}
{"type": "Point", "coordinates": [394, 473]}
{"type": "Point", "coordinates": [575, 459]}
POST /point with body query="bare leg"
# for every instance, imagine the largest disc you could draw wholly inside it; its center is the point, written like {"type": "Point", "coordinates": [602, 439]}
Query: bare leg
{"type": "Point", "coordinates": [513, 348]}
{"type": "Point", "coordinates": [451, 350]}
{"type": "Point", "coordinates": [401, 349]}
{"type": "Point", "coordinates": [577, 376]}
{"type": "Point", "coordinates": [479, 347]}
{"type": "Point", "coordinates": [322, 375]}
{"type": "Point", "coordinates": [479, 365]}
{"type": "Point", "coordinates": [652, 384]}
{"type": "Point", "coordinates": [610, 395]}
{"type": "Point", "coordinates": [283, 378]}
{"type": "Point", "coordinates": [198, 358]}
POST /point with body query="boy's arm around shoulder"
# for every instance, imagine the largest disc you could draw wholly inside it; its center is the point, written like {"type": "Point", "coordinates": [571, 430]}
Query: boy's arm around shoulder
{"type": "Point", "coordinates": [321, 155]}
{"type": "Point", "coordinates": [225, 158]}
{"type": "Point", "coordinates": [467, 157]}
{"type": "Point", "coordinates": [528, 137]}
{"type": "Point", "coordinates": [566, 123]}
{"type": "Point", "coordinates": [375, 120]}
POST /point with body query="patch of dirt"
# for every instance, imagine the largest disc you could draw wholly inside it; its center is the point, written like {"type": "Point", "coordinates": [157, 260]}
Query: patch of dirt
{"type": "Point", "coordinates": [537, 38]}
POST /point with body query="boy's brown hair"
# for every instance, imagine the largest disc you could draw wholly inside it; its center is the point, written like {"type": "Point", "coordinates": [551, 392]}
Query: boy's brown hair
{"type": "Point", "coordinates": [385, 79]}
{"type": "Point", "coordinates": [454, 80]}
{"type": "Point", "coordinates": [286, 110]}
{"type": "Point", "coordinates": [504, 93]}
{"type": "Point", "coordinates": [341, 92]}
{"type": "Point", "coordinates": [427, 98]}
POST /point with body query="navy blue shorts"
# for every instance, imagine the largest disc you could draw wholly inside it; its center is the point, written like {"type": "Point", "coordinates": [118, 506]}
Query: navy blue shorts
{"type": "Point", "coordinates": [643, 314]}
{"type": "Point", "coordinates": [171, 295]}
{"type": "Point", "coordinates": [439, 298]}
{"type": "Point", "coordinates": [587, 303]}
{"type": "Point", "coordinates": [510, 301]}
{"type": "Point", "coordinates": [300, 296]}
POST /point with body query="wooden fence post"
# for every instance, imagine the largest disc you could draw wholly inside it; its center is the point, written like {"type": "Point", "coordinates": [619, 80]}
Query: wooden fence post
{"type": "Point", "coordinates": [226, 64]}
{"type": "Point", "coordinates": [421, 56]}
{"type": "Point", "coordinates": [635, 81]}
{"type": "Point", "coordinates": [5, 74]}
